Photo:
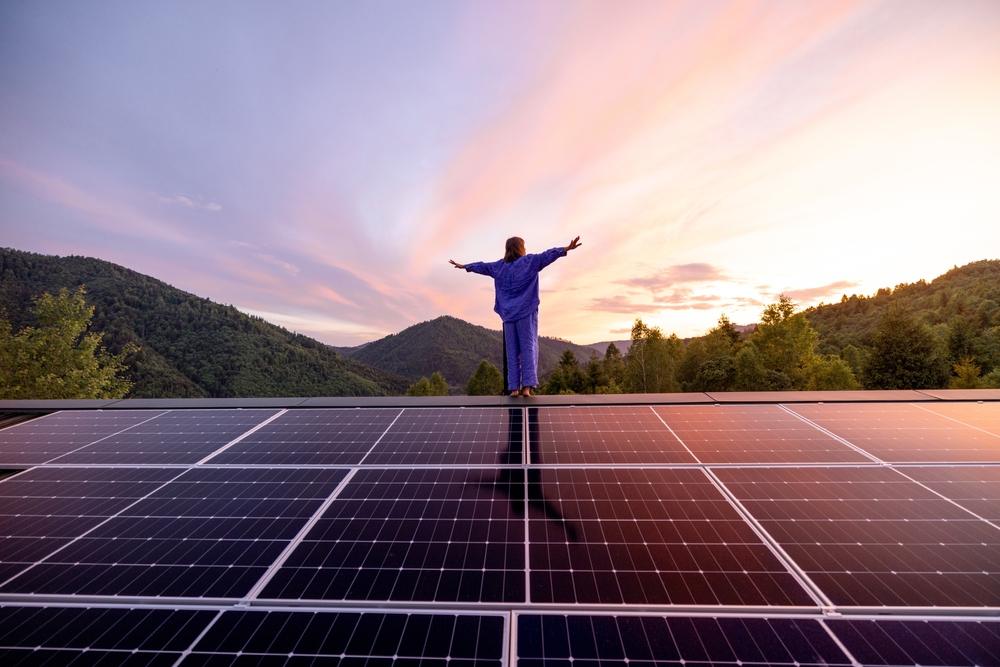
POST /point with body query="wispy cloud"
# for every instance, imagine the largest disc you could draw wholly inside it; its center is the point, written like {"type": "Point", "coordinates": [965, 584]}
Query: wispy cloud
{"type": "Point", "coordinates": [808, 294]}
{"type": "Point", "coordinates": [697, 272]}
{"type": "Point", "coordinates": [196, 203]}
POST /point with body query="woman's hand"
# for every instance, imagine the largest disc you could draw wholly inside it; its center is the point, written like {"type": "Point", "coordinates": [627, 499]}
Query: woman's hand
{"type": "Point", "coordinates": [574, 244]}
{"type": "Point", "coordinates": [456, 264]}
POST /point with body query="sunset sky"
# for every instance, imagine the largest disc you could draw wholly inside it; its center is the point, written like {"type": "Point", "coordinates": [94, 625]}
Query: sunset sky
{"type": "Point", "coordinates": [317, 164]}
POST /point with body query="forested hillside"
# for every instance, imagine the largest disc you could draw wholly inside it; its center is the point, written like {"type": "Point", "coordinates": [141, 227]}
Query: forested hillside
{"type": "Point", "coordinates": [189, 346]}
{"type": "Point", "coordinates": [452, 347]}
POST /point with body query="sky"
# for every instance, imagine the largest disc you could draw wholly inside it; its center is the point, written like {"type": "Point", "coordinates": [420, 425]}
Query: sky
{"type": "Point", "coordinates": [318, 163]}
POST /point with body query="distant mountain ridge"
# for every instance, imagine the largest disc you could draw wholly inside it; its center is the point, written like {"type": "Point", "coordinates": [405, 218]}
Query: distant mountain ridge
{"type": "Point", "coordinates": [453, 347]}
{"type": "Point", "coordinates": [190, 346]}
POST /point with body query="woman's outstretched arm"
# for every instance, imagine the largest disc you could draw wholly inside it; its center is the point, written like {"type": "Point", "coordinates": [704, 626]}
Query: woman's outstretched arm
{"type": "Point", "coordinates": [484, 268]}
{"type": "Point", "coordinates": [543, 259]}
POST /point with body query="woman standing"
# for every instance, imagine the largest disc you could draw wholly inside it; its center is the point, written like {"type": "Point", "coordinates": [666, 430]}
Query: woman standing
{"type": "Point", "coordinates": [515, 278]}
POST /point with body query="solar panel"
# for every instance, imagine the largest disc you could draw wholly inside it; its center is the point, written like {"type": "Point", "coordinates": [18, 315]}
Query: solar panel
{"type": "Point", "coordinates": [414, 534]}
{"type": "Point", "coordinates": [602, 435]}
{"type": "Point", "coordinates": [44, 509]}
{"type": "Point", "coordinates": [753, 434]}
{"type": "Point", "coordinates": [312, 437]}
{"type": "Point", "coordinates": [976, 488]}
{"type": "Point", "coordinates": [552, 640]}
{"type": "Point", "coordinates": [904, 433]}
{"type": "Point", "coordinates": [647, 536]}
{"type": "Point", "coordinates": [301, 637]}
{"type": "Point", "coordinates": [920, 642]}
{"type": "Point", "coordinates": [868, 536]}
{"type": "Point", "coordinates": [36, 635]}
{"type": "Point", "coordinates": [985, 416]}
{"type": "Point", "coordinates": [209, 533]}
{"type": "Point", "coordinates": [452, 436]}
{"type": "Point", "coordinates": [178, 436]}
{"type": "Point", "coordinates": [47, 437]}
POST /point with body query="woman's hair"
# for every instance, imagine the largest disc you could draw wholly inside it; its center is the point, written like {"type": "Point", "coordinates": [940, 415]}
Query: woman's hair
{"type": "Point", "coordinates": [514, 249]}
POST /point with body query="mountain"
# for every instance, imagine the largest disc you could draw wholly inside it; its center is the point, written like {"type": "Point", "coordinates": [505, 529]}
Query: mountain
{"type": "Point", "coordinates": [966, 296]}
{"type": "Point", "coordinates": [189, 346]}
{"type": "Point", "coordinates": [454, 347]}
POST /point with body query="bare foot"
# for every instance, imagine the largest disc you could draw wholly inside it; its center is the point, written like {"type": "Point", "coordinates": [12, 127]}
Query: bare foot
{"type": "Point", "coordinates": [526, 392]}
{"type": "Point", "coordinates": [515, 393]}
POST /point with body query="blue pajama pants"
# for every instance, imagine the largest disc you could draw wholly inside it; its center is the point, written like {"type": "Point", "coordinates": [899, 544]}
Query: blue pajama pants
{"type": "Point", "coordinates": [521, 341]}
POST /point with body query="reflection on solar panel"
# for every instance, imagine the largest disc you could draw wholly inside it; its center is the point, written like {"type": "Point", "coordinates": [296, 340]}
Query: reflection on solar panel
{"type": "Point", "coordinates": [178, 436]}
{"type": "Point", "coordinates": [656, 536]}
{"type": "Point", "coordinates": [44, 438]}
{"type": "Point", "coordinates": [312, 437]}
{"type": "Point", "coordinates": [602, 435]}
{"type": "Point", "coordinates": [753, 434]}
{"type": "Point", "coordinates": [208, 533]}
{"type": "Point", "coordinates": [904, 433]}
{"type": "Point", "coordinates": [592, 641]}
{"type": "Point", "coordinates": [424, 534]}
{"type": "Point", "coordinates": [871, 537]}
{"type": "Point", "coordinates": [452, 436]}
{"type": "Point", "coordinates": [938, 642]}
{"type": "Point", "coordinates": [282, 637]}
{"type": "Point", "coordinates": [976, 488]}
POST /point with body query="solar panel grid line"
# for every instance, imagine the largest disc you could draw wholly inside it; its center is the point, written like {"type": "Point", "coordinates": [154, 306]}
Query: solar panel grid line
{"type": "Point", "coordinates": [194, 642]}
{"type": "Point", "coordinates": [91, 530]}
{"type": "Point", "coordinates": [944, 497]}
{"type": "Point", "coordinates": [526, 459]}
{"type": "Point", "coordinates": [957, 421]}
{"type": "Point", "coordinates": [840, 644]}
{"type": "Point", "coordinates": [832, 435]}
{"type": "Point", "coordinates": [34, 420]}
{"type": "Point", "coordinates": [815, 592]}
{"type": "Point", "coordinates": [379, 439]}
{"type": "Point", "coordinates": [110, 435]}
{"type": "Point", "coordinates": [673, 433]}
{"type": "Point", "coordinates": [241, 437]}
{"type": "Point", "coordinates": [254, 592]}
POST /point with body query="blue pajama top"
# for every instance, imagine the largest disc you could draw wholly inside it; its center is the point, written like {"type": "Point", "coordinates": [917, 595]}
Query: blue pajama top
{"type": "Point", "coordinates": [516, 282]}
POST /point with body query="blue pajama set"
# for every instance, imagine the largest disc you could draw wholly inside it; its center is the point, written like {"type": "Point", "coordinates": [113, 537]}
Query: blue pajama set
{"type": "Point", "coordinates": [516, 285]}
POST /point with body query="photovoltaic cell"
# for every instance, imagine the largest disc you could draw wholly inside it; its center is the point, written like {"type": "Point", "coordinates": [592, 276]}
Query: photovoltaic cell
{"type": "Point", "coordinates": [414, 534]}
{"type": "Point", "coordinates": [920, 642]}
{"type": "Point", "coordinates": [647, 536]}
{"type": "Point", "coordinates": [606, 641]}
{"type": "Point", "coordinates": [274, 637]}
{"type": "Point", "coordinates": [44, 438]}
{"type": "Point", "coordinates": [976, 488]}
{"type": "Point", "coordinates": [868, 536]}
{"type": "Point", "coordinates": [312, 437]}
{"type": "Point", "coordinates": [602, 435]}
{"type": "Point", "coordinates": [753, 434]}
{"type": "Point", "coordinates": [210, 533]}
{"type": "Point", "coordinates": [985, 416]}
{"type": "Point", "coordinates": [175, 437]}
{"type": "Point", "coordinates": [452, 436]}
{"type": "Point", "coordinates": [44, 509]}
{"type": "Point", "coordinates": [31, 635]}
{"type": "Point", "coordinates": [904, 432]}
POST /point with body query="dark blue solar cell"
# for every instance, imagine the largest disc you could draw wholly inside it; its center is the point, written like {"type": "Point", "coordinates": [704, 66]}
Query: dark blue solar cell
{"type": "Point", "coordinates": [312, 437]}
{"type": "Point", "coordinates": [398, 638]}
{"type": "Point", "coordinates": [177, 436]}
{"type": "Point", "coordinates": [452, 436]}
{"type": "Point", "coordinates": [591, 640]}
{"type": "Point", "coordinates": [422, 534]}
{"type": "Point", "coordinates": [939, 642]}
{"type": "Point", "coordinates": [50, 436]}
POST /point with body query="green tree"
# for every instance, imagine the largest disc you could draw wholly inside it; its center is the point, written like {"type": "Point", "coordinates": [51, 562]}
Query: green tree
{"type": "Point", "coordinates": [567, 378]}
{"type": "Point", "coordinates": [433, 386]}
{"type": "Point", "coordinates": [966, 375]}
{"type": "Point", "coordinates": [749, 373]}
{"type": "Point", "coordinates": [57, 357]}
{"type": "Point", "coordinates": [992, 379]}
{"type": "Point", "coordinates": [651, 362]}
{"type": "Point", "coordinates": [486, 381]}
{"type": "Point", "coordinates": [786, 341]}
{"type": "Point", "coordinates": [614, 365]}
{"type": "Point", "coordinates": [904, 355]}
{"type": "Point", "coordinates": [830, 372]}
{"type": "Point", "coordinates": [855, 358]}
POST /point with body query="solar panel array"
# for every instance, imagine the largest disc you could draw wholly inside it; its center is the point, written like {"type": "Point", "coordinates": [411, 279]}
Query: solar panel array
{"type": "Point", "coordinates": [824, 533]}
